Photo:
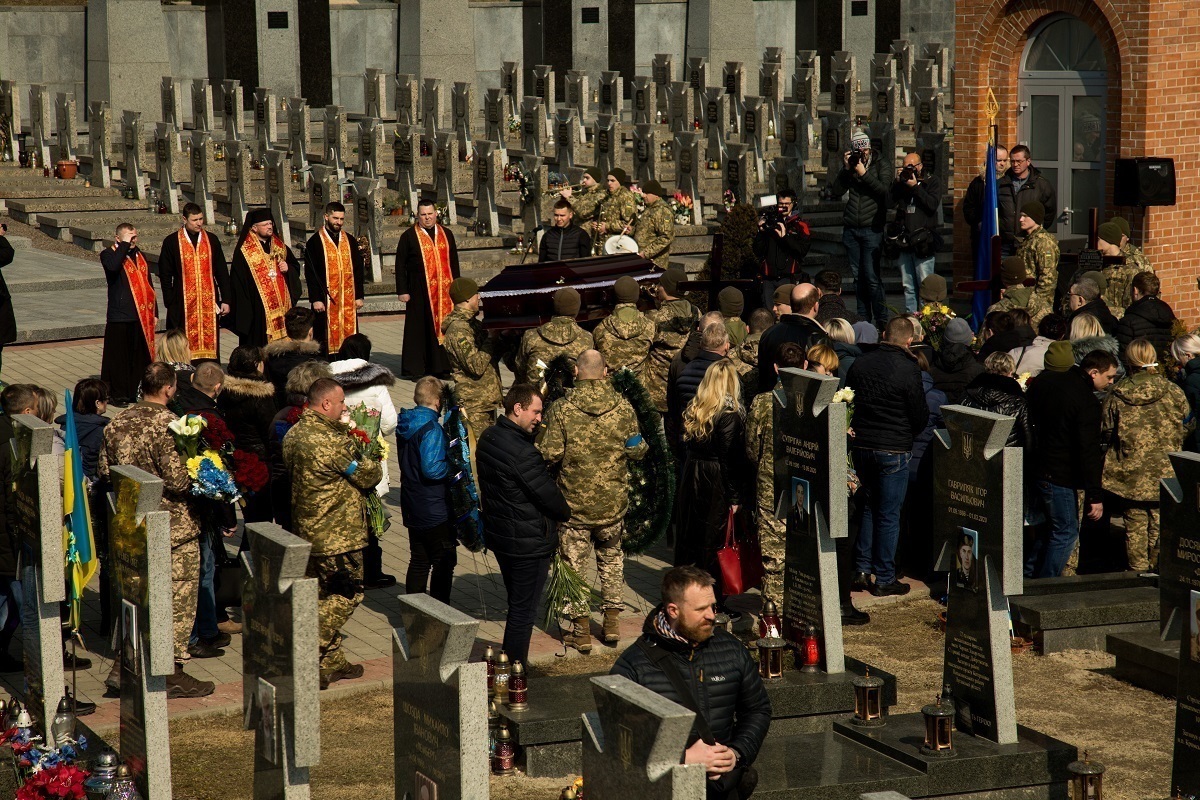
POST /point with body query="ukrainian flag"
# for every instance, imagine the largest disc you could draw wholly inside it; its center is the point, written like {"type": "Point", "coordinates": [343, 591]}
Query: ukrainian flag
{"type": "Point", "coordinates": [78, 542]}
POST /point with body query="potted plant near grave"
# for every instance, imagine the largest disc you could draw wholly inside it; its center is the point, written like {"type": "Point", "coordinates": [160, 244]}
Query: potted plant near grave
{"type": "Point", "coordinates": [66, 169]}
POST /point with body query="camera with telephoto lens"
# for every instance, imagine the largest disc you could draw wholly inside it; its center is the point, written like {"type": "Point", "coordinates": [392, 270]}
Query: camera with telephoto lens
{"type": "Point", "coordinates": [908, 173]}
{"type": "Point", "coordinates": [768, 212]}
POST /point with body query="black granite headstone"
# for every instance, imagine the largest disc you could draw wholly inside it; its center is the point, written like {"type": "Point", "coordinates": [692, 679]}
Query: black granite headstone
{"type": "Point", "coordinates": [1185, 769]}
{"type": "Point", "coordinates": [1179, 554]}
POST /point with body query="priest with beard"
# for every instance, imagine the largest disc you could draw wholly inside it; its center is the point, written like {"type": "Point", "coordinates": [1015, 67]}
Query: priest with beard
{"type": "Point", "coordinates": [426, 265]}
{"type": "Point", "coordinates": [333, 272]}
{"type": "Point", "coordinates": [264, 282]}
{"type": "Point", "coordinates": [195, 283]}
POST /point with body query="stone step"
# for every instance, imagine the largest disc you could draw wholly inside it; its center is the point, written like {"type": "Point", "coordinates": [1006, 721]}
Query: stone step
{"type": "Point", "coordinates": [1088, 583]}
{"type": "Point", "coordinates": [1145, 660]}
{"type": "Point", "coordinates": [30, 210]}
{"type": "Point", "coordinates": [1082, 620]}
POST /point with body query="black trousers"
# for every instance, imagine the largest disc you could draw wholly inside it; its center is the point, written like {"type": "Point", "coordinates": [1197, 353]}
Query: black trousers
{"type": "Point", "coordinates": [524, 579]}
{"type": "Point", "coordinates": [124, 359]}
{"type": "Point", "coordinates": [432, 549]}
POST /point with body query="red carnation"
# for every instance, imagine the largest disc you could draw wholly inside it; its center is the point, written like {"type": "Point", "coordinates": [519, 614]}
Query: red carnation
{"type": "Point", "coordinates": [216, 433]}
{"type": "Point", "coordinates": [361, 435]}
{"type": "Point", "coordinates": [249, 471]}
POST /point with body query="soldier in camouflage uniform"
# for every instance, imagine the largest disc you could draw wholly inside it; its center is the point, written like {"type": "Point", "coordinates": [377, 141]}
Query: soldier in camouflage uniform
{"type": "Point", "coordinates": [617, 208]}
{"type": "Point", "coordinates": [1039, 252]}
{"type": "Point", "coordinates": [674, 319]}
{"type": "Point", "coordinates": [1143, 421]}
{"type": "Point", "coordinates": [593, 433]}
{"type": "Point", "coordinates": [654, 230]}
{"type": "Point", "coordinates": [624, 336]}
{"type": "Point", "coordinates": [772, 532]}
{"type": "Point", "coordinates": [560, 336]}
{"type": "Point", "coordinates": [1117, 276]}
{"type": "Point", "coordinates": [587, 202]}
{"type": "Point", "coordinates": [476, 380]}
{"type": "Point", "coordinates": [329, 482]}
{"type": "Point", "coordinates": [1016, 294]}
{"type": "Point", "coordinates": [139, 437]}
{"type": "Point", "coordinates": [747, 352]}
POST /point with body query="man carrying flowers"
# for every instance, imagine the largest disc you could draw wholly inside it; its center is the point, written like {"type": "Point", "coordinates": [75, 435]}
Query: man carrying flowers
{"type": "Point", "coordinates": [329, 479]}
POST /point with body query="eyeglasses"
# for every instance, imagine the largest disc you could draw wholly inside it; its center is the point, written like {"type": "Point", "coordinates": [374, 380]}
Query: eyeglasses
{"type": "Point", "coordinates": [1019, 160]}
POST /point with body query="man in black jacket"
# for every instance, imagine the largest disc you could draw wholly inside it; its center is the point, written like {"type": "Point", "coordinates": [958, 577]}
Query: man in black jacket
{"type": "Point", "coordinates": [916, 195]}
{"type": "Point", "coordinates": [1067, 456]}
{"type": "Point", "coordinates": [521, 506]}
{"type": "Point", "coordinates": [833, 306]}
{"type": "Point", "coordinates": [781, 249]}
{"type": "Point", "coordinates": [565, 239]}
{"type": "Point", "coordinates": [867, 182]}
{"type": "Point", "coordinates": [972, 204]}
{"type": "Point", "coordinates": [890, 410]}
{"type": "Point", "coordinates": [800, 326]}
{"type": "Point", "coordinates": [1085, 298]}
{"type": "Point", "coordinates": [1147, 316]}
{"type": "Point", "coordinates": [1020, 185]}
{"type": "Point", "coordinates": [682, 656]}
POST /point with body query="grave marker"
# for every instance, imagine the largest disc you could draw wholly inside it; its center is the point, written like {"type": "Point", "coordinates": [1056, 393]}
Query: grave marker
{"type": "Point", "coordinates": [495, 125]}
{"type": "Point", "coordinates": [688, 163]}
{"type": "Point", "coordinates": [406, 149]}
{"type": "Point", "coordinates": [935, 52]}
{"type": "Point", "coordinates": [461, 107]}
{"type": "Point", "coordinates": [679, 107]}
{"type": "Point", "coordinates": [843, 84]}
{"type": "Point", "coordinates": [733, 78]}
{"type": "Point", "coordinates": [606, 139]}
{"type": "Point", "coordinates": [279, 190]}
{"type": "Point", "coordinates": [336, 144]}
{"type": "Point", "coordinates": [299, 131]}
{"type": "Point", "coordinates": [171, 95]}
{"type": "Point", "coordinates": [886, 100]}
{"type": "Point", "coordinates": [644, 101]}
{"type": "Point", "coordinates": [64, 110]}
{"type": "Point", "coordinates": [370, 147]}
{"type": "Point", "coordinates": [487, 175]}
{"type": "Point", "coordinates": [165, 153]}
{"type": "Point", "coordinates": [39, 123]}
{"type": "Point", "coordinates": [835, 141]}
{"type": "Point", "coordinates": [265, 120]}
{"type": "Point", "coordinates": [323, 189]}
{"type": "Point", "coordinates": [645, 153]}
{"type": "Point", "coordinates": [806, 81]}
{"type": "Point", "coordinates": [234, 110]}
{"type": "Point", "coordinates": [511, 88]}
{"type": "Point", "coordinates": [544, 89]}
{"type": "Point", "coordinates": [696, 77]}
{"type": "Point", "coordinates": [202, 105]}
{"type": "Point", "coordinates": [611, 96]}
{"type": "Point", "coordinates": [770, 83]}
{"type": "Point", "coordinates": [796, 131]}
{"type": "Point", "coordinates": [532, 212]}
{"type": "Point", "coordinates": [754, 129]}
{"type": "Point", "coordinates": [883, 142]}
{"type": "Point", "coordinates": [935, 155]}
{"type": "Point", "coordinates": [927, 99]}
{"type": "Point", "coordinates": [375, 95]}
{"type": "Point", "coordinates": [1179, 585]}
{"type": "Point", "coordinates": [662, 73]}
{"type": "Point", "coordinates": [575, 86]}
{"type": "Point", "coordinates": [445, 159]}
{"type": "Point", "coordinates": [10, 114]}
{"type": "Point", "coordinates": [787, 172]}
{"type": "Point", "coordinates": [716, 112]}
{"type": "Point", "coordinates": [902, 49]}
{"type": "Point", "coordinates": [432, 107]}
{"type": "Point", "coordinates": [132, 140]}
{"type": "Point", "coordinates": [407, 90]}
{"type": "Point", "coordinates": [566, 136]}
{"type": "Point", "coordinates": [100, 139]}
{"type": "Point", "coordinates": [203, 179]}
{"type": "Point", "coordinates": [533, 126]}
{"type": "Point", "coordinates": [368, 220]}
{"type": "Point", "coordinates": [237, 180]}
{"type": "Point", "coordinates": [737, 172]}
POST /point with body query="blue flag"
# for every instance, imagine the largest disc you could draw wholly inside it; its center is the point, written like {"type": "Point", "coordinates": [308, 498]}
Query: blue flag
{"type": "Point", "coordinates": [989, 226]}
{"type": "Point", "coordinates": [78, 542]}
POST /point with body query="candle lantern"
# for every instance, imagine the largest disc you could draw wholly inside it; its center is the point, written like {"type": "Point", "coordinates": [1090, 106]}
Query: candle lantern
{"type": "Point", "coordinates": [505, 754]}
{"type": "Point", "coordinates": [518, 688]}
{"type": "Point", "coordinates": [939, 728]}
{"type": "Point", "coordinates": [868, 700]}
{"type": "Point", "coordinates": [1087, 779]}
{"type": "Point", "coordinates": [770, 657]}
{"type": "Point", "coordinates": [722, 621]}
{"type": "Point", "coordinates": [123, 787]}
{"type": "Point", "coordinates": [810, 650]}
{"type": "Point", "coordinates": [769, 624]}
{"type": "Point", "coordinates": [489, 658]}
{"type": "Point", "coordinates": [62, 728]}
{"type": "Point", "coordinates": [503, 670]}
{"type": "Point", "coordinates": [493, 726]}
{"type": "Point", "coordinates": [104, 771]}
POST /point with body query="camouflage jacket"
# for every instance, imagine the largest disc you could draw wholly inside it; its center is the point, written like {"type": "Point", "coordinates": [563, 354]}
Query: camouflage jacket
{"type": "Point", "coordinates": [1022, 297]}
{"type": "Point", "coordinates": [617, 209]}
{"type": "Point", "coordinates": [328, 485]}
{"type": "Point", "coordinates": [624, 338]}
{"type": "Point", "coordinates": [737, 330]}
{"type": "Point", "coordinates": [748, 350]}
{"type": "Point", "coordinates": [760, 447]}
{"type": "Point", "coordinates": [139, 437]}
{"type": "Point", "coordinates": [593, 432]}
{"type": "Point", "coordinates": [477, 383]}
{"type": "Point", "coordinates": [654, 232]}
{"type": "Point", "coordinates": [586, 201]}
{"type": "Point", "coordinates": [1039, 251]}
{"type": "Point", "coordinates": [1143, 421]}
{"type": "Point", "coordinates": [673, 321]}
{"type": "Point", "coordinates": [1118, 279]}
{"type": "Point", "coordinates": [561, 335]}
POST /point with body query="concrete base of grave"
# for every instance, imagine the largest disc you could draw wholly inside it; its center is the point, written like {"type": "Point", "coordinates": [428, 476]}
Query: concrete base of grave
{"type": "Point", "coordinates": [1145, 660]}
{"type": "Point", "coordinates": [1083, 620]}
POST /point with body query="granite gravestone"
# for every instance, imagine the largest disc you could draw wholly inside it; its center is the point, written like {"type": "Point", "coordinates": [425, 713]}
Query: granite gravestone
{"type": "Point", "coordinates": [978, 518]}
{"type": "Point", "coordinates": [935, 155]}
{"type": "Point", "coordinates": [810, 488]}
{"type": "Point", "coordinates": [370, 147]}
{"type": "Point", "coordinates": [171, 95]}
{"type": "Point", "coordinates": [100, 139]}
{"type": "Point", "coordinates": [323, 189]}
{"type": "Point", "coordinates": [487, 174]}
{"type": "Point", "coordinates": [679, 106]}
{"type": "Point", "coordinates": [796, 131]}
{"type": "Point", "coordinates": [770, 83]}
{"type": "Point", "coordinates": [575, 86]}
{"type": "Point", "coordinates": [545, 90]}
{"type": "Point", "coordinates": [336, 143]}
{"type": "Point", "coordinates": [299, 120]}
{"type": "Point", "coordinates": [566, 137]}
{"type": "Point", "coordinates": [203, 179]}
{"type": "Point", "coordinates": [835, 141]}
{"type": "Point", "coordinates": [787, 172]}
{"type": "Point", "coordinates": [495, 126]}
{"type": "Point", "coordinates": [737, 172]}
{"type": "Point", "coordinates": [696, 77]}
{"type": "Point", "coordinates": [277, 174]}
{"type": "Point", "coordinates": [10, 114]}
{"type": "Point", "coordinates": [237, 180]}
{"type": "Point", "coordinates": [405, 150]}
{"type": "Point", "coordinates": [662, 73]}
{"type": "Point", "coordinates": [716, 112]}
{"type": "Point", "coordinates": [461, 108]}
{"type": "Point", "coordinates": [689, 161]}
{"type": "Point", "coordinates": [927, 100]}
{"type": "Point", "coordinates": [375, 94]}
{"type": "Point", "coordinates": [806, 81]}
{"type": "Point", "coordinates": [202, 105]}
{"type": "Point", "coordinates": [643, 100]}
{"type": "Point", "coordinates": [533, 213]}
{"type": "Point", "coordinates": [885, 95]}
{"type": "Point", "coordinates": [1179, 547]}
{"type": "Point", "coordinates": [140, 548]}
{"type": "Point", "coordinates": [533, 126]}
{"type": "Point", "coordinates": [407, 90]}
{"type": "Point", "coordinates": [606, 140]}
{"type": "Point", "coordinates": [64, 113]}
{"type": "Point", "coordinates": [843, 84]}
{"type": "Point", "coordinates": [35, 521]}
{"type": "Point", "coordinates": [233, 109]}
{"type": "Point", "coordinates": [882, 134]}
{"type": "Point", "coordinates": [1185, 766]}
{"type": "Point", "coordinates": [165, 156]}
{"type": "Point", "coordinates": [40, 119]}
{"type": "Point", "coordinates": [902, 50]}
{"type": "Point", "coordinates": [440, 704]}
{"type": "Point", "coordinates": [645, 153]}
{"type": "Point", "coordinates": [754, 129]}
{"type": "Point", "coordinates": [610, 94]}
{"type": "Point", "coordinates": [368, 221]}
{"type": "Point", "coordinates": [633, 744]}
{"type": "Point", "coordinates": [511, 88]}
{"type": "Point", "coordinates": [266, 119]}
{"type": "Point", "coordinates": [432, 107]}
{"type": "Point", "coordinates": [935, 52]}
{"type": "Point", "coordinates": [132, 140]}
{"type": "Point", "coordinates": [733, 79]}
{"type": "Point", "coordinates": [445, 161]}
{"type": "Point", "coordinates": [280, 678]}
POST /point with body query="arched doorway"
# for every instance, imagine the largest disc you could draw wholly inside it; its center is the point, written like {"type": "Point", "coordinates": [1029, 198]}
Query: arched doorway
{"type": "Point", "coordinates": [1061, 114]}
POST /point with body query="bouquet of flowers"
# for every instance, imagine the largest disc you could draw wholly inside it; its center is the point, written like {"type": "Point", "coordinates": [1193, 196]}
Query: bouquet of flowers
{"type": "Point", "coordinates": [369, 443]}
{"type": "Point", "coordinates": [934, 317]}
{"type": "Point", "coordinates": [847, 396]}
{"type": "Point", "coordinates": [514, 123]}
{"type": "Point", "coordinates": [728, 199]}
{"type": "Point", "coordinates": [681, 206]}
{"type": "Point", "coordinates": [43, 772]}
{"type": "Point", "coordinates": [210, 478]}
{"type": "Point", "coordinates": [640, 198]}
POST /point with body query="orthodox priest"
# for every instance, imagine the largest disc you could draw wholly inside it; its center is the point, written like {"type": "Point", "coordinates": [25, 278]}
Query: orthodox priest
{"type": "Point", "coordinates": [195, 283]}
{"type": "Point", "coordinates": [426, 265]}
{"type": "Point", "coordinates": [131, 317]}
{"type": "Point", "coordinates": [264, 282]}
{"type": "Point", "coordinates": [333, 272]}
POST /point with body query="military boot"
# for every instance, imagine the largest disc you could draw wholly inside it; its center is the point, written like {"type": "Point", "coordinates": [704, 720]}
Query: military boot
{"type": "Point", "coordinates": [581, 635]}
{"type": "Point", "coordinates": [612, 626]}
{"type": "Point", "coordinates": [183, 685]}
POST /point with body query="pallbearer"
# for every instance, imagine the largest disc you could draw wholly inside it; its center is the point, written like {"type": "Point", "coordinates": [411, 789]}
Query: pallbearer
{"type": "Point", "coordinates": [195, 282]}
{"type": "Point", "coordinates": [333, 271]}
{"type": "Point", "coordinates": [264, 282]}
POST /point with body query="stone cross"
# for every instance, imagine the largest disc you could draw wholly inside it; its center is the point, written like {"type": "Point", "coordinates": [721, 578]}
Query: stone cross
{"type": "Point", "coordinates": [439, 702]}
{"type": "Point", "coordinates": [371, 143]}
{"type": "Point", "coordinates": [754, 129]}
{"type": "Point", "coordinates": [575, 85]}
{"type": "Point", "coordinates": [407, 89]}
{"type": "Point", "coordinates": [1179, 546]}
{"type": "Point", "coordinates": [806, 82]}
{"type": "Point", "coordinates": [323, 189]}
{"type": "Point", "coordinates": [843, 95]}
{"type": "Point", "coordinates": [140, 543]}
{"type": "Point", "coordinates": [203, 179]}
{"type": "Point", "coordinates": [133, 141]}
{"type": "Point", "coordinates": [280, 679]}
{"type": "Point", "coordinates": [689, 161]}
{"type": "Point", "coordinates": [511, 88]}
{"type": "Point", "coordinates": [237, 179]}
{"type": "Point", "coordinates": [935, 155]}
{"type": "Point", "coordinates": [927, 98]}
{"type": "Point", "coordinates": [336, 144]}
{"type": "Point", "coordinates": [299, 131]}
{"type": "Point", "coordinates": [100, 139]}
{"type": "Point", "coordinates": [461, 108]}
{"type": "Point", "coordinates": [235, 112]}
{"type": "Point", "coordinates": [566, 137]}
{"type": "Point", "coordinates": [645, 152]}
{"type": "Point", "coordinates": [445, 161]}
{"type": "Point", "coordinates": [533, 126]}
{"type": "Point", "coordinates": [886, 99]}
{"type": "Point", "coordinates": [64, 110]}
{"type": "Point", "coordinates": [277, 169]}
{"type": "Point", "coordinates": [171, 94]}
{"type": "Point", "coordinates": [368, 220]}
{"type": "Point", "coordinates": [611, 94]}
{"type": "Point", "coordinates": [737, 172]}
{"type": "Point", "coordinates": [733, 79]}
{"type": "Point", "coordinates": [633, 745]}
{"type": "Point", "coordinates": [902, 49]}
{"type": "Point", "coordinates": [796, 131]}
{"type": "Point", "coordinates": [10, 115]}
{"type": "Point", "coordinates": [835, 141]}
{"type": "Point", "coordinates": [679, 105]}
{"type": "Point", "coordinates": [716, 111]}
{"type": "Point", "coordinates": [375, 93]}
{"type": "Point", "coordinates": [265, 120]}
{"type": "Point", "coordinates": [487, 176]}
{"type": "Point", "coordinates": [662, 74]}
{"type": "Point", "coordinates": [36, 523]}
{"type": "Point", "coordinates": [810, 494]}
{"type": "Point", "coordinates": [40, 119]}
{"type": "Point", "coordinates": [643, 100]}
{"type": "Point", "coordinates": [935, 52]}
{"type": "Point", "coordinates": [787, 172]}
{"type": "Point", "coordinates": [495, 123]}
{"type": "Point", "coordinates": [202, 105]}
{"type": "Point", "coordinates": [165, 154]}
{"type": "Point", "coordinates": [883, 65]}
{"type": "Point", "coordinates": [406, 149]}
{"type": "Point", "coordinates": [883, 140]}
{"type": "Point", "coordinates": [696, 76]}
{"type": "Point", "coordinates": [770, 83]}
{"type": "Point", "coordinates": [432, 107]}
{"type": "Point", "coordinates": [544, 89]}
{"type": "Point", "coordinates": [533, 212]}
{"type": "Point", "coordinates": [978, 518]}
{"type": "Point", "coordinates": [606, 140]}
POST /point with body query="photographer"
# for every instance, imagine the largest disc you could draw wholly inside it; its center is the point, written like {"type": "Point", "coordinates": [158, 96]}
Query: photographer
{"type": "Point", "coordinates": [866, 179]}
{"type": "Point", "coordinates": [912, 239]}
{"type": "Point", "coordinates": [780, 246]}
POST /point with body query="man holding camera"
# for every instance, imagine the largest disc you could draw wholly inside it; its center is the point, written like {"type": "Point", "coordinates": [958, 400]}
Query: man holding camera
{"type": "Point", "coordinates": [866, 179]}
{"type": "Point", "coordinates": [912, 239]}
{"type": "Point", "coordinates": [782, 242]}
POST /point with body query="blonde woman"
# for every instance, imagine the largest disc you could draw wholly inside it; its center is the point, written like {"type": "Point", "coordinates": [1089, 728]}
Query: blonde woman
{"type": "Point", "coordinates": [1087, 334]}
{"type": "Point", "coordinates": [710, 483]}
{"type": "Point", "coordinates": [822, 359]}
{"type": "Point", "coordinates": [1186, 352]}
{"type": "Point", "coordinates": [1143, 420]}
{"type": "Point", "coordinates": [173, 348]}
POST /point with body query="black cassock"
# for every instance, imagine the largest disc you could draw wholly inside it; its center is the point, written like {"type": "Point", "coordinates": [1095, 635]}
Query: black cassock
{"type": "Point", "coordinates": [247, 318]}
{"type": "Point", "coordinates": [8, 320]}
{"type": "Point", "coordinates": [170, 275]}
{"type": "Point", "coordinates": [315, 279]}
{"type": "Point", "coordinates": [423, 353]}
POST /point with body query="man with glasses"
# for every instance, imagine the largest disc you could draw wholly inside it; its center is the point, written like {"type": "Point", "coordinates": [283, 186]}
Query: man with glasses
{"type": "Point", "coordinates": [781, 248]}
{"type": "Point", "coordinates": [973, 200]}
{"type": "Point", "coordinates": [1021, 185]}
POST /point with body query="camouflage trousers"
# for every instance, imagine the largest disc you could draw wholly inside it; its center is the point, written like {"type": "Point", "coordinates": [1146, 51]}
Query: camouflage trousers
{"type": "Point", "coordinates": [479, 419]}
{"type": "Point", "coordinates": [574, 542]}
{"type": "Point", "coordinates": [772, 538]}
{"type": "Point", "coordinates": [1141, 536]}
{"type": "Point", "coordinates": [339, 592]}
{"type": "Point", "coordinates": [185, 590]}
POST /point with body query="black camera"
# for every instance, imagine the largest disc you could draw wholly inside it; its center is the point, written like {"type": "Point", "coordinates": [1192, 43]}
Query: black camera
{"type": "Point", "coordinates": [854, 160]}
{"type": "Point", "coordinates": [908, 173]}
{"type": "Point", "coordinates": [768, 212]}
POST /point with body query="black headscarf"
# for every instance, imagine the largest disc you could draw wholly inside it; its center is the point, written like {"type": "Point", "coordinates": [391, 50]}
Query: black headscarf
{"type": "Point", "coordinates": [253, 218]}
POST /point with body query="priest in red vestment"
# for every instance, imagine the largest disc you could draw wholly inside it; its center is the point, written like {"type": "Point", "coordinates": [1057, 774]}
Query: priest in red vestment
{"type": "Point", "coordinates": [426, 265]}
{"type": "Point", "coordinates": [195, 283]}
{"type": "Point", "coordinates": [131, 317]}
{"type": "Point", "coordinates": [264, 282]}
{"type": "Point", "coordinates": [333, 272]}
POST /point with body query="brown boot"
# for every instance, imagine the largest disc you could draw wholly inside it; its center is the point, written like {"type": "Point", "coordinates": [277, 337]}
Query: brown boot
{"type": "Point", "coordinates": [183, 685]}
{"type": "Point", "coordinates": [612, 626]}
{"type": "Point", "coordinates": [581, 635]}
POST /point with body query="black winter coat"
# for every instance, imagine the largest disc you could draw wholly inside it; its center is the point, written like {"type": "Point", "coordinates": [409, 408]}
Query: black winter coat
{"type": "Point", "coordinates": [1065, 416]}
{"type": "Point", "coordinates": [725, 679]}
{"type": "Point", "coordinates": [1006, 340]}
{"type": "Point", "coordinates": [953, 367]}
{"type": "Point", "coordinates": [521, 500]}
{"type": "Point", "coordinates": [833, 306]}
{"type": "Point", "coordinates": [282, 356]}
{"type": "Point", "coordinates": [1150, 318]}
{"type": "Point", "coordinates": [8, 321]}
{"type": "Point", "coordinates": [688, 382]}
{"type": "Point", "coordinates": [709, 483]}
{"type": "Point", "coordinates": [1189, 380]}
{"type": "Point", "coordinates": [917, 206]}
{"type": "Point", "coordinates": [90, 430]}
{"type": "Point", "coordinates": [1038, 188]}
{"type": "Point", "coordinates": [248, 405]}
{"type": "Point", "coordinates": [1000, 394]}
{"type": "Point", "coordinates": [782, 257]}
{"type": "Point", "coordinates": [795, 328]}
{"type": "Point", "coordinates": [866, 207]}
{"type": "Point", "coordinates": [889, 402]}
{"type": "Point", "coordinates": [560, 244]}
{"type": "Point", "coordinates": [1098, 309]}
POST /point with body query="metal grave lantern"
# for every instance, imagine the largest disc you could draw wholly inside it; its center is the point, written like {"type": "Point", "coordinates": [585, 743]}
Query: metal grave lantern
{"type": "Point", "coordinates": [1087, 779]}
{"type": "Point", "coordinates": [770, 657]}
{"type": "Point", "coordinates": [939, 728]}
{"type": "Point", "coordinates": [868, 700]}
